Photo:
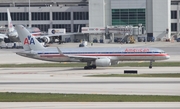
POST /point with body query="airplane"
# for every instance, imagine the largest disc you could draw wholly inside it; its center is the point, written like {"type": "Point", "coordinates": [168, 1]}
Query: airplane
{"type": "Point", "coordinates": [13, 35]}
{"type": "Point", "coordinates": [2, 37]}
{"type": "Point", "coordinates": [94, 57]}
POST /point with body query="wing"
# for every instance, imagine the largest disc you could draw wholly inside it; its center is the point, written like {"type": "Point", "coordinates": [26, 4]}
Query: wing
{"type": "Point", "coordinates": [80, 58]}
{"type": "Point", "coordinates": [83, 58]}
{"type": "Point", "coordinates": [61, 34]}
{"type": "Point", "coordinates": [2, 36]}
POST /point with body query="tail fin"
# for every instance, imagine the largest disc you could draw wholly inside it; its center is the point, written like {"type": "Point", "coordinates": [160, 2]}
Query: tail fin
{"type": "Point", "coordinates": [10, 25]}
{"type": "Point", "coordinates": [29, 42]}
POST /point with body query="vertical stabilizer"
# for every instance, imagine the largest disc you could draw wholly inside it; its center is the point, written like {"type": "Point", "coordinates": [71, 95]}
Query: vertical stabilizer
{"type": "Point", "coordinates": [10, 25]}
{"type": "Point", "coordinates": [29, 42]}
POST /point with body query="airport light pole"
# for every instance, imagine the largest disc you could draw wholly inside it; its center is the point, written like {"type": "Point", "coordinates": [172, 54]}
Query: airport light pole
{"type": "Point", "coordinates": [29, 15]}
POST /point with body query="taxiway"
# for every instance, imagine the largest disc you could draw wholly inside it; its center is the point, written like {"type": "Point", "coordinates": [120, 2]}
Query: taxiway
{"type": "Point", "coordinates": [75, 80]}
{"type": "Point", "coordinates": [90, 105]}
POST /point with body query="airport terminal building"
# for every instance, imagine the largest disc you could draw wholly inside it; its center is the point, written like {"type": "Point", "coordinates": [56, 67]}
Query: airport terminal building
{"type": "Point", "coordinates": [46, 13]}
{"type": "Point", "coordinates": [159, 17]}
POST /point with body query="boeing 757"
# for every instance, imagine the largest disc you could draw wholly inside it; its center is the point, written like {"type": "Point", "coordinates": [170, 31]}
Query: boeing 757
{"type": "Point", "coordinates": [95, 57]}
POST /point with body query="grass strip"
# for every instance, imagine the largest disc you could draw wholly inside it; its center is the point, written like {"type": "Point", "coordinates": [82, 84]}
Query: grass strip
{"type": "Point", "coordinates": [47, 97]}
{"type": "Point", "coordinates": [168, 75]}
{"type": "Point", "coordinates": [123, 64]}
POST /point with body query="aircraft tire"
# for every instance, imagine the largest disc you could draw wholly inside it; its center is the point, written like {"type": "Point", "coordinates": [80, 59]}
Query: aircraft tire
{"type": "Point", "coordinates": [94, 66]}
{"type": "Point", "coordinates": [150, 67]}
{"type": "Point", "coordinates": [85, 67]}
{"type": "Point", "coordinates": [88, 67]}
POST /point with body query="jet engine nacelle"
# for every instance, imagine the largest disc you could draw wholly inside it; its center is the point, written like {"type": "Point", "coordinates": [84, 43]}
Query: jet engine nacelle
{"type": "Point", "coordinates": [103, 62]}
{"type": "Point", "coordinates": [46, 39]}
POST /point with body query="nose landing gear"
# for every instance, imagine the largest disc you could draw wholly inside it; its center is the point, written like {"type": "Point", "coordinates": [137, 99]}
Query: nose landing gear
{"type": "Point", "coordinates": [150, 65]}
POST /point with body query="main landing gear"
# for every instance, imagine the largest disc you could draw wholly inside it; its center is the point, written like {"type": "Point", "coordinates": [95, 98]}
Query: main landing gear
{"type": "Point", "coordinates": [150, 65]}
{"type": "Point", "coordinates": [90, 65]}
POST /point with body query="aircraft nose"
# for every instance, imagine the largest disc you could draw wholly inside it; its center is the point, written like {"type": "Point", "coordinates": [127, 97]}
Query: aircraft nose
{"type": "Point", "coordinates": [20, 53]}
{"type": "Point", "coordinates": [16, 35]}
{"type": "Point", "coordinates": [167, 56]}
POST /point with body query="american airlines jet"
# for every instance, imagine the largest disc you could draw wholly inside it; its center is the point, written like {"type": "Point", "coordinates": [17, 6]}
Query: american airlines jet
{"type": "Point", "coordinates": [95, 57]}
{"type": "Point", "coordinates": [13, 35]}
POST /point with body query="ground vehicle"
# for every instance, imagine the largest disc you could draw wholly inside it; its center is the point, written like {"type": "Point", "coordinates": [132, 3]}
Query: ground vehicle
{"type": "Point", "coordinates": [11, 45]}
{"type": "Point", "coordinates": [95, 40]}
{"type": "Point", "coordinates": [141, 39]}
{"type": "Point", "coordinates": [120, 40]}
{"type": "Point", "coordinates": [178, 39]}
{"type": "Point", "coordinates": [150, 39]}
{"type": "Point", "coordinates": [76, 40]}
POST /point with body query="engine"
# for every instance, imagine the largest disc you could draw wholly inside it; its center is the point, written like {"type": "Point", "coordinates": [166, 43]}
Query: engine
{"type": "Point", "coordinates": [103, 62]}
{"type": "Point", "coordinates": [46, 39]}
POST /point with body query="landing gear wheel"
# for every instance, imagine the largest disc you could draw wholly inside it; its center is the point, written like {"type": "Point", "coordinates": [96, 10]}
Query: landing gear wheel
{"type": "Point", "coordinates": [150, 66]}
{"type": "Point", "coordinates": [85, 67]}
{"type": "Point", "coordinates": [94, 66]}
{"type": "Point", "coordinates": [88, 67]}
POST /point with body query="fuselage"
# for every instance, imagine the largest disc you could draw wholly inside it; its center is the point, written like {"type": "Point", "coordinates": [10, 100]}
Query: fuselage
{"type": "Point", "coordinates": [34, 31]}
{"type": "Point", "coordinates": [114, 54]}
{"type": "Point", "coordinates": [13, 36]}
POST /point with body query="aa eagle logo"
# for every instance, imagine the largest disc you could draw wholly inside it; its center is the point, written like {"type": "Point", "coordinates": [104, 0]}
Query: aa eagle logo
{"type": "Point", "coordinates": [29, 40]}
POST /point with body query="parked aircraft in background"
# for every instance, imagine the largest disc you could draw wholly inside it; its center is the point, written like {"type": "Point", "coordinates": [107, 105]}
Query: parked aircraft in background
{"type": "Point", "coordinates": [13, 35]}
{"type": "Point", "coordinates": [2, 37]}
{"type": "Point", "coordinates": [94, 57]}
